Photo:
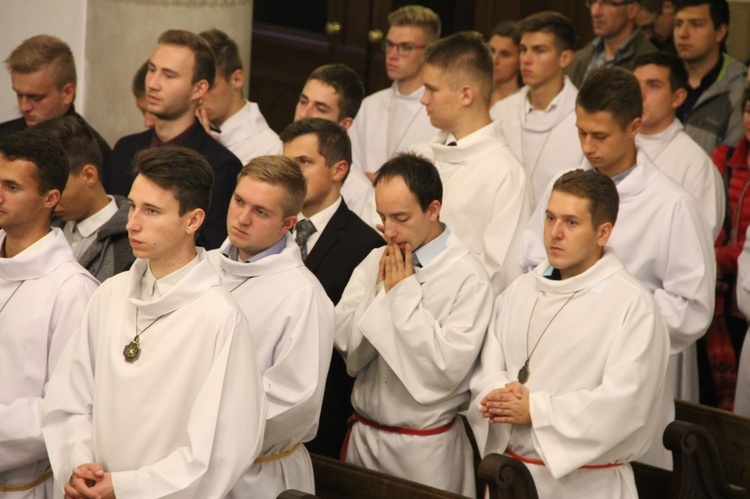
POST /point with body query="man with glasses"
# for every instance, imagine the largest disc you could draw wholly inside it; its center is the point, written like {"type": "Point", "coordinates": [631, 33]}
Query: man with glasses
{"type": "Point", "coordinates": [392, 119]}
{"type": "Point", "coordinates": [618, 39]}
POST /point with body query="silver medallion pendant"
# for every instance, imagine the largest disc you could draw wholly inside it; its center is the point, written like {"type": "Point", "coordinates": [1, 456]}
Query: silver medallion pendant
{"type": "Point", "coordinates": [523, 373]}
{"type": "Point", "coordinates": [132, 351]}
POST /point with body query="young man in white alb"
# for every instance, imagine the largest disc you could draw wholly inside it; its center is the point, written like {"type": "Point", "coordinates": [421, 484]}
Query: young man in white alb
{"type": "Point", "coordinates": [233, 120]}
{"type": "Point", "coordinates": [158, 393]}
{"type": "Point", "coordinates": [410, 325]}
{"type": "Point", "coordinates": [663, 81]}
{"type": "Point", "coordinates": [572, 373]}
{"type": "Point", "coordinates": [392, 120]}
{"type": "Point", "coordinates": [43, 297]}
{"type": "Point", "coordinates": [660, 233]}
{"type": "Point", "coordinates": [539, 120]}
{"type": "Point", "coordinates": [290, 317]}
{"type": "Point", "coordinates": [487, 196]}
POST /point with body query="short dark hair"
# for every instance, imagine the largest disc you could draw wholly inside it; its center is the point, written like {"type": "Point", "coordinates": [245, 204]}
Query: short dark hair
{"type": "Point", "coordinates": [598, 189]}
{"type": "Point", "coordinates": [719, 10]}
{"type": "Point", "coordinates": [464, 54]}
{"type": "Point", "coordinates": [225, 51]}
{"type": "Point", "coordinates": [36, 146]}
{"type": "Point", "coordinates": [76, 139]}
{"type": "Point", "coordinates": [507, 29]}
{"type": "Point", "coordinates": [333, 141]}
{"type": "Point", "coordinates": [678, 77]}
{"type": "Point", "coordinates": [551, 22]}
{"type": "Point", "coordinates": [178, 169]}
{"type": "Point", "coordinates": [614, 90]}
{"type": "Point", "coordinates": [138, 86]}
{"type": "Point", "coordinates": [204, 66]}
{"type": "Point", "coordinates": [419, 175]}
{"type": "Point", "coordinates": [347, 84]}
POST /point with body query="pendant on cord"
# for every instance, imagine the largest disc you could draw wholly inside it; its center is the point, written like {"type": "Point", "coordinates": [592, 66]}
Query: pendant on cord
{"type": "Point", "coordinates": [132, 351]}
{"type": "Point", "coordinates": [523, 373]}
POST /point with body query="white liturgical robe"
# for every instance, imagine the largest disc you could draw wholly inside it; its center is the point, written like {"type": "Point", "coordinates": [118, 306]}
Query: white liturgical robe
{"type": "Point", "coordinates": [486, 198]}
{"type": "Point", "coordinates": [43, 296]}
{"type": "Point", "coordinates": [664, 241]}
{"type": "Point", "coordinates": [742, 395]}
{"type": "Point", "coordinates": [546, 141]}
{"type": "Point", "coordinates": [247, 134]}
{"type": "Point", "coordinates": [291, 322]}
{"type": "Point", "coordinates": [387, 123]}
{"type": "Point", "coordinates": [596, 378]}
{"type": "Point", "coordinates": [685, 162]}
{"type": "Point", "coordinates": [412, 351]}
{"type": "Point", "coordinates": [186, 419]}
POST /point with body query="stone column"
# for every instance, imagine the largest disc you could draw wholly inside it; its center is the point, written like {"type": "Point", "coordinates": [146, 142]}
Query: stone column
{"type": "Point", "coordinates": [120, 36]}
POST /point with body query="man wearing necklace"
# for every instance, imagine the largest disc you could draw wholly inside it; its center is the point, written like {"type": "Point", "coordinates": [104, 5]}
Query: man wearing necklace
{"type": "Point", "coordinates": [663, 81]}
{"type": "Point", "coordinates": [392, 120]}
{"type": "Point", "coordinates": [410, 325]}
{"type": "Point", "coordinates": [575, 400]}
{"type": "Point", "coordinates": [158, 393]}
{"type": "Point", "coordinates": [333, 241]}
{"type": "Point", "coordinates": [660, 232]}
{"type": "Point", "coordinates": [43, 297]}
{"type": "Point", "coordinates": [487, 195]}
{"type": "Point", "coordinates": [539, 121]}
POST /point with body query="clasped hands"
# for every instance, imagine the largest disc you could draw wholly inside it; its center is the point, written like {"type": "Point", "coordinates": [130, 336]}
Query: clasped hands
{"type": "Point", "coordinates": [507, 405]}
{"type": "Point", "coordinates": [89, 481]}
{"type": "Point", "coordinates": [395, 267]}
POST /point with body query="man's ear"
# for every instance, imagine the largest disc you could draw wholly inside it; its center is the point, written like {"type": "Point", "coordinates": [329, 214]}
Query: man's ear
{"type": "Point", "coordinates": [288, 223]}
{"type": "Point", "coordinates": [69, 93]}
{"type": "Point", "coordinates": [237, 80]}
{"type": "Point", "coordinates": [195, 220]}
{"type": "Point", "coordinates": [602, 233]}
{"type": "Point", "coordinates": [346, 123]}
{"type": "Point", "coordinates": [90, 175]}
{"type": "Point", "coordinates": [634, 127]}
{"type": "Point", "coordinates": [433, 210]}
{"type": "Point", "coordinates": [200, 89]}
{"type": "Point", "coordinates": [339, 169]}
{"type": "Point", "coordinates": [51, 198]}
{"type": "Point", "coordinates": [678, 98]}
{"type": "Point", "coordinates": [566, 57]}
{"type": "Point", "coordinates": [467, 95]}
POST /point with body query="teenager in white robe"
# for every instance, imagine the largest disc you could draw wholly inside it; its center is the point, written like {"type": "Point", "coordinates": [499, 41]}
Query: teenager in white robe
{"type": "Point", "coordinates": [231, 119]}
{"type": "Point", "coordinates": [662, 237]}
{"type": "Point", "coordinates": [596, 349]}
{"type": "Point", "coordinates": [663, 84]}
{"type": "Point", "coordinates": [44, 292]}
{"type": "Point", "coordinates": [742, 393]}
{"type": "Point", "coordinates": [411, 337]}
{"type": "Point", "coordinates": [291, 322]}
{"type": "Point", "coordinates": [181, 411]}
{"type": "Point", "coordinates": [43, 296]}
{"type": "Point", "coordinates": [393, 119]}
{"type": "Point", "coordinates": [486, 196]}
{"type": "Point", "coordinates": [539, 120]}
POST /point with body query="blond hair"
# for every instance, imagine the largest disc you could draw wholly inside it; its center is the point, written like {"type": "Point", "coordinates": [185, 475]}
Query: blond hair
{"type": "Point", "coordinates": [282, 171]}
{"type": "Point", "coordinates": [417, 15]}
{"type": "Point", "coordinates": [42, 51]}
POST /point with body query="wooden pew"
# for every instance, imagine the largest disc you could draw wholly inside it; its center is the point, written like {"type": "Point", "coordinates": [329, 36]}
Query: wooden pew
{"type": "Point", "coordinates": [730, 432]}
{"type": "Point", "coordinates": [295, 494]}
{"type": "Point", "coordinates": [506, 477]}
{"type": "Point", "coordinates": [335, 480]}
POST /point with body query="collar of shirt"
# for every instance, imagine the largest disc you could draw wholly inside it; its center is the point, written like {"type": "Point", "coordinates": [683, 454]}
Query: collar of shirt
{"type": "Point", "coordinates": [152, 288]}
{"type": "Point", "coordinates": [415, 95]}
{"type": "Point", "coordinates": [550, 108]}
{"type": "Point", "coordinates": [425, 254]}
{"type": "Point", "coordinates": [176, 141]}
{"type": "Point", "coordinates": [693, 94]}
{"type": "Point", "coordinates": [320, 221]}
{"type": "Point", "coordinates": [474, 137]}
{"type": "Point", "coordinates": [598, 47]}
{"type": "Point", "coordinates": [552, 273]}
{"type": "Point", "coordinates": [234, 254]}
{"type": "Point", "coordinates": [93, 223]}
{"type": "Point", "coordinates": [621, 176]}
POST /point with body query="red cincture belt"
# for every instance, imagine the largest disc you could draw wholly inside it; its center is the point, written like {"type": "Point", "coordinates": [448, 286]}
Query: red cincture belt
{"type": "Point", "coordinates": [541, 463]}
{"type": "Point", "coordinates": [357, 418]}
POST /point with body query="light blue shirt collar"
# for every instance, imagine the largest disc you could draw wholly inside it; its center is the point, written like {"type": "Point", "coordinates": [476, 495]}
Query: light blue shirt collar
{"type": "Point", "coordinates": [233, 253]}
{"type": "Point", "coordinates": [425, 254]}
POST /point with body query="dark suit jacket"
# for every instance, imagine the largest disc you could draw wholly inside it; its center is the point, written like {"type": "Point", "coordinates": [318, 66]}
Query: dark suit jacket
{"type": "Point", "coordinates": [344, 243]}
{"type": "Point", "coordinates": [118, 177]}
{"type": "Point", "coordinates": [13, 126]}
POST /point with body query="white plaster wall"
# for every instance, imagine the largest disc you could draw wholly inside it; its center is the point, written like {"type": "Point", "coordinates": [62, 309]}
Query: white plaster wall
{"type": "Point", "coordinates": [21, 19]}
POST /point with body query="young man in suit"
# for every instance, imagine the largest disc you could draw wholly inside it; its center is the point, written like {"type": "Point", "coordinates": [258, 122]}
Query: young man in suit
{"type": "Point", "coordinates": [180, 71]}
{"type": "Point", "coordinates": [333, 241]}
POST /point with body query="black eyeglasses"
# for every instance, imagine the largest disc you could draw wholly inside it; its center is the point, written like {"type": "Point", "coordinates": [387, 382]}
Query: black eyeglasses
{"type": "Point", "coordinates": [401, 48]}
{"type": "Point", "coordinates": [608, 3]}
